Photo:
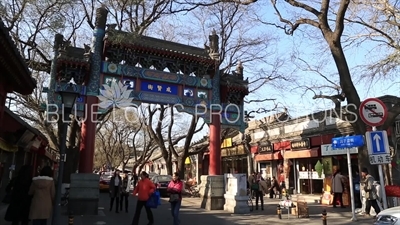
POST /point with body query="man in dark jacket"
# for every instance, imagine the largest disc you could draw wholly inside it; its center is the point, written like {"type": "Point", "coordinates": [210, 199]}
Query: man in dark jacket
{"type": "Point", "coordinates": [18, 210]}
{"type": "Point", "coordinates": [126, 184]}
{"type": "Point", "coordinates": [115, 190]}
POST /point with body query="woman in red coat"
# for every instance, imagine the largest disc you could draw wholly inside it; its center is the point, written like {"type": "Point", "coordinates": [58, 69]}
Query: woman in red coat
{"type": "Point", "coordinates": [175, 189]}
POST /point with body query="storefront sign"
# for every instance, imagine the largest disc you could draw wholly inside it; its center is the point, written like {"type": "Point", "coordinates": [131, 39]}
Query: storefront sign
{"type": "Point", "coordinates": [302, 144]}
{"type": "Point", "coordinates": [327, 150]}
{"type": "Point", "coordinates": [265, 149]}
{"type": "Point", "coordinates": [233, 151]}
{"type": "Point", "coordinates": [226, 143]}
{"type": "Point", "coordinates": [313, 175]}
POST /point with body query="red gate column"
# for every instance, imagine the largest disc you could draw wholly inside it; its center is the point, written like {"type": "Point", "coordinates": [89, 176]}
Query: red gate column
{"type": "Point", "coordinates": [215, 145]}
{"type": "Point", "coordinates": [88, 135]}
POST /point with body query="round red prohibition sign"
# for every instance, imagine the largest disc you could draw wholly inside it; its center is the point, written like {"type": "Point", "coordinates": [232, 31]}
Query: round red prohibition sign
{"type": "Point", "coordinates": [373, 112]}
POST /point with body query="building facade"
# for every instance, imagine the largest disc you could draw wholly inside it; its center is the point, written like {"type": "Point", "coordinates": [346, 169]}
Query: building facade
{"type": "Point", "coordinates": [20, 143]}
{"type": "Point", "coordinates": [293, 150]}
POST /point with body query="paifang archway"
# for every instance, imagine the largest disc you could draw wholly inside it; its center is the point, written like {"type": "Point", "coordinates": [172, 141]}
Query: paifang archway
{"type": "Point", "coordinates": [139, 61]}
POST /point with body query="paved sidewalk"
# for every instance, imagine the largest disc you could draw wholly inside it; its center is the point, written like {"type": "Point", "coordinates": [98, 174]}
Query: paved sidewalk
{"type": "Point", "coordinates": [336, 216]}
{"type": "Point", "coordinates": [192, 214]}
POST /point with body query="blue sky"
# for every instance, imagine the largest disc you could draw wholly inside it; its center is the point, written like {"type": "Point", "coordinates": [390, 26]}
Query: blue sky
{"type": "Point", "coordinates": [310, 47]}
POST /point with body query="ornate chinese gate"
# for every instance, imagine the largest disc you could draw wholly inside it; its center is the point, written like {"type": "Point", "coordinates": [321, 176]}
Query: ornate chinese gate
{"type": "Point", "coordinates": [154, 71]}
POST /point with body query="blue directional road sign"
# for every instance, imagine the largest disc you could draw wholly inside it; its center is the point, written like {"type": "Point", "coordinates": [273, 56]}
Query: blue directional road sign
{"type": "Point", "coordinates": [377, 142]}
{"type": "Point", "coordinates": [348, 142]}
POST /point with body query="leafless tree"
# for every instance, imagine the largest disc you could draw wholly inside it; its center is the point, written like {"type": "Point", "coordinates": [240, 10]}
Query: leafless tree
{"type": "Point", "coordinates": [167, 134]}
{"type": "Point", "coordinates": [32, 25]}
{"type": "Point", "coordinates": [379, 25]}
{"type": "Point", "coordinates": [329, 19]}
{"type": "Point", "coordinates": [123, 138]}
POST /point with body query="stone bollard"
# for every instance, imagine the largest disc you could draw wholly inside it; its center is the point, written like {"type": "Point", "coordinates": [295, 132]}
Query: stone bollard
{"type": "Point", "coordinates": [71, 219]}
{"type": "Point", "coordinates": [324, 222]}
{"type": "Point", "coordinates": [278, 211]}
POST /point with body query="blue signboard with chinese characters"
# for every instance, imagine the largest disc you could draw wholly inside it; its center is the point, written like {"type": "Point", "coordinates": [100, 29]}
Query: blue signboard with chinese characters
{"type": "Point", "coordinates": [159, 87]}
{"type": "Point", "coordinates": [348, 142]}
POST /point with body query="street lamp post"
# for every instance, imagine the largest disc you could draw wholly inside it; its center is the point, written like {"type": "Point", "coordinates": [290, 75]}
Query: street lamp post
{"type": "Point", "coordinates": [68, 98]}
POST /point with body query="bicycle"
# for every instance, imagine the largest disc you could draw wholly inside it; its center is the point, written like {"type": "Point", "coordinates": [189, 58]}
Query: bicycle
{"type": "Point", "coordinates": [194, 191]}
{"type": "Point", "coordinates": [250, 200]}
{"type": "Point", "coordinates": [65, 197]}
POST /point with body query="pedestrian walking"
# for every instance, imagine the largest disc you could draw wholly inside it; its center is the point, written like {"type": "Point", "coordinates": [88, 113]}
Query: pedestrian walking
{"type": "Point", "coordinates": [43, 191]}
{"type": "Point", "coordinates": [262, 189]}
{"type": "Point", "coordinates": [175, 188]}
{"type": "Point", "coordinates": [115, 190]}
{"type": "Point", "coordinates": [370, 192]}
{"type": "Point", "coordinates": [144, 189]}
{"type": "Point", "coordinates": [20, 200]}
{"type": "Point", "coordinates": [126, 183]}
{"type": "Point", "coordinates": [337, 188]}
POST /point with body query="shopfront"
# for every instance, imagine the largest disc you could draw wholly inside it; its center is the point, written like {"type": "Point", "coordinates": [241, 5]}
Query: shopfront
{"type": "Point", "coordinates": [267, 160]}
{"type": "Point", "coordinates": [234, 159]}
{"type": "Point", "coordinates": [334, 159]}
{"type": "Point", "coordinates": [270, 159]}
{"type": "Point", "coordinates": [303, 158]}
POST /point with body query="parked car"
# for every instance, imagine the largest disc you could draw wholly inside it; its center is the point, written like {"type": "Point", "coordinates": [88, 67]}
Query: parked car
{"type": "Point", "coordinates": [161, 182]}
{"type": "Point", "coordinates": [151, 175]}
{"type": "Point", "coordinates": [104, 183]}
{"type": "Point", "coordinates": [390, 216]}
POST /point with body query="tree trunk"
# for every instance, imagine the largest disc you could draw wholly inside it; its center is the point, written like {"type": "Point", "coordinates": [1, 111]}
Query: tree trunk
{"type": "Point", "coordinates": [352, 97]}
{"type": "Point", "coordinates": [168, 165]}
{"type": "Point", "coordinates": [250, 164]}
{"type": "Point", "coordinates": [181, 166]}
{"type": "Point", "coordinates": [134, 167]}
{"type": "Point", "coordinates": [141, 168]}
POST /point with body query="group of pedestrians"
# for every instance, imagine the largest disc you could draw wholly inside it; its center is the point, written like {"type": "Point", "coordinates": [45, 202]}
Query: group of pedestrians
{"type": "Point", "coordinates": [259, 187]}
{"type": "Point", "coordinates": [120, 185]}
{"type": "Point", "coordinates": [31, 199]}
{"type": "Point", "coordinates": [368, 187]}
{"type": "Point", "coordinates": [144, 189]}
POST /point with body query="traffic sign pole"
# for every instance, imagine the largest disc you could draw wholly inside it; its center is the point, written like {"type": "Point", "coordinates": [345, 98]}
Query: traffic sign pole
{"type": "Point", "coordinates": [353, 206]}
{"type": "Point", "coordinates": [348, 143]}
{"type": "Point", "coordinates": [382, 182]}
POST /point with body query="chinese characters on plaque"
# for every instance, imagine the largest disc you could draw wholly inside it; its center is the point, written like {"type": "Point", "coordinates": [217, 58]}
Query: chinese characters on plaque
{"type": "Point", "coordinates": [379, 159]}
{"type": "Point", "coordinates": [160, 88]}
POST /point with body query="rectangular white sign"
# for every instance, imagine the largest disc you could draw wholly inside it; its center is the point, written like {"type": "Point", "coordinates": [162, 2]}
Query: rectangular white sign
{"type": "Point", "coordinates": [379, 159]}
{"type": "Point", "coordinates": [313, 175]}
{"type": "Point", "coordinates": [327, 150]}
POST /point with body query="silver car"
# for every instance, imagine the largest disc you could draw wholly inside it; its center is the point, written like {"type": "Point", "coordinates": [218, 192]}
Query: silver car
{"type": "Point", "coordinates": [390, 216]}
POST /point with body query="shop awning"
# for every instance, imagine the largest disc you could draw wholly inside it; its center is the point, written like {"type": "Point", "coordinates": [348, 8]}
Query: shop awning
{"type": "Point", "coordinates": [7, 146]}
{"type": "Point", "coordinates": [269, 156]}
{"type": "Point", "coordinates": [308, 153]}
{"type": "Point", "coordinates": [13, 123]}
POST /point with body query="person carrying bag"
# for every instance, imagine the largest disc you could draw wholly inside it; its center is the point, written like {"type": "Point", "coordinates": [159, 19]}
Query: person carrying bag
{"type": "Point", "coordinates": [175, 188]}
{"type": "Point", "coordinates": [144, 190]}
